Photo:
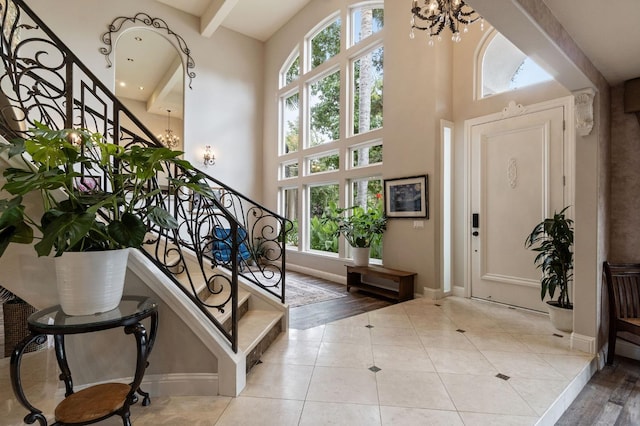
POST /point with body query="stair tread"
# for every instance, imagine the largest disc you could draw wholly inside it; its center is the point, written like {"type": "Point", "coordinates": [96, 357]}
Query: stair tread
{"type": "Point", "coordinates": [254, 325]}
{"type": "Point", "coordinates": [214, 299]}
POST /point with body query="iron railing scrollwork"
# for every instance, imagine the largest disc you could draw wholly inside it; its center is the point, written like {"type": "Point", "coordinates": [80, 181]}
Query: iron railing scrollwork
{"type": "Point", "coordinates": [220, 238]}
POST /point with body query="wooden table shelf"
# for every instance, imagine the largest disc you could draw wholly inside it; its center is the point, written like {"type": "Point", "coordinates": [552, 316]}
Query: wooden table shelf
{"type": "Point", "coordinates": [403, 279]}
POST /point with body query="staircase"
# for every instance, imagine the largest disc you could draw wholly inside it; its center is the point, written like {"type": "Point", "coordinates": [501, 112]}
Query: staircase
{"type": "Point", "coordinates": [235, 304]}
{"type": "Point", "coordinates": [260, 318]}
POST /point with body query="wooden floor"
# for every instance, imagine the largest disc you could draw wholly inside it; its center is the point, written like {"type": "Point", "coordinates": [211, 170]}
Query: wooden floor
{"type": "Point", "coordinates": [315, 314]}
{"type": "Point", "coordinates": [612, 396]}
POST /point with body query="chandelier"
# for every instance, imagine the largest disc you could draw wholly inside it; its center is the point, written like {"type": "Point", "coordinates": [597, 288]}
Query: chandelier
{"type": "Point", "coordinates": [434, 15]}
{"type": "Point", "coordinates": [169, 139]}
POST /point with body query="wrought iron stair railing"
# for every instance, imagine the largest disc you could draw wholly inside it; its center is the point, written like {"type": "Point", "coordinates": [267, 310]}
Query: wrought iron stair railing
{"type": "Point", "coordinates": [220, 238]}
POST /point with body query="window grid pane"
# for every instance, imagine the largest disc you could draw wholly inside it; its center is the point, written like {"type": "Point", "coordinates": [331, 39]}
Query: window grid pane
{"type": "Point", "coordinates": [367, 193]}
{"type": "Point", "coordinates": [290, 170]}
{"type": "Point", "coordinates": [290, 123]}
{"type": "Point", "coordinates": [322, 236]}
{"type": "Point", "coordinates": [366, 155]}
{"type": "Point", "coordinates": [324, 110]}
{"type": "Point", "coordinates": [293, 72]}
{"type": "Point", "coordinates": [365, 22]}
{"type": "Point", "coordinates": [291, 213]}
{"type": "Point", "coordinates": [368, 83]}
{"type": "Point", "coordinates": [326, 44]}
{"type": "Point", "coordinates": [325, 163]}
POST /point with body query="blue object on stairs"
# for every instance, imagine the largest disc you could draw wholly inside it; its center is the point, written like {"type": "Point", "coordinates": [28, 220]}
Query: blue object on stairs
{"type": "Point", "coordinates": [222, 243]}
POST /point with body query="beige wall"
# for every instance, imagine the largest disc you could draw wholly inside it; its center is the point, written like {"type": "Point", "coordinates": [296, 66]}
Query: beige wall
{"type": "Point", "coordinates": [625, 178]}
{"type": "Point", "coordinates": [224, 108]}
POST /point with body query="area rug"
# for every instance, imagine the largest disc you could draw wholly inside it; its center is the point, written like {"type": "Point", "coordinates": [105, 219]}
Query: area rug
{"type": "Point", "coordinates": [301, 292]}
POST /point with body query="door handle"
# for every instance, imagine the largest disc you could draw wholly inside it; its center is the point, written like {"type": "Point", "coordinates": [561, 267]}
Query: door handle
{"type": "Point", "coordinates": [475, 223]}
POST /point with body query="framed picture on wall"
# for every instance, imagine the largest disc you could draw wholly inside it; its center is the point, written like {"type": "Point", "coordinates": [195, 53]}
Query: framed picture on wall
{"type": "Point", "coordinates": [407, 197]}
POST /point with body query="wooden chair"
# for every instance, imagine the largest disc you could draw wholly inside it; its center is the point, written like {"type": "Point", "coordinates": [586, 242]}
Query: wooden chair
{"type": "Point", "coordinates": [623, 288]}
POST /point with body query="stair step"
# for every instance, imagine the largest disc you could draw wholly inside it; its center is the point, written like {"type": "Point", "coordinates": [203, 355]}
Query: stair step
{"type": "Point", "coordinates": [224, 317]}
{"type": "Point", "coordinates": [256, 331]}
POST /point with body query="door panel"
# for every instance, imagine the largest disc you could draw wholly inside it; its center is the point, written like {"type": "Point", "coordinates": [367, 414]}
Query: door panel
{"type": "Point", "coordinates": [517, 180]}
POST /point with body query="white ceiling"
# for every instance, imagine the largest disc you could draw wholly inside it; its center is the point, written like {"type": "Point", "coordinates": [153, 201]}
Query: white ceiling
{"type": "Point", "coordinates": [145, 62]}
{"type": "Point", "coordinates": [608, 32]}
{"type": "Point", "coordinates": [609, 36]}
{"type": "Point", "coordinates": [258, 19]}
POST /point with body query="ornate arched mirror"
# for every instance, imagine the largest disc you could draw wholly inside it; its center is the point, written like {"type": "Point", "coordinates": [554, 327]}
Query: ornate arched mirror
{"type": "Point", "coordinates": [152, 62]}
{"type": "Point", "coordinates": [149, 81]}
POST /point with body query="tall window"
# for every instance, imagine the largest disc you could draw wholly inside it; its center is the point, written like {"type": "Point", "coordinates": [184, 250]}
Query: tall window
{"type": "Point", "coordinates": [331, 118]}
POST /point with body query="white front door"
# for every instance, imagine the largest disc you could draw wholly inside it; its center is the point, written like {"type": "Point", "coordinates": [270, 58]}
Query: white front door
{"type": "Point", "coordinates": [517, 179]}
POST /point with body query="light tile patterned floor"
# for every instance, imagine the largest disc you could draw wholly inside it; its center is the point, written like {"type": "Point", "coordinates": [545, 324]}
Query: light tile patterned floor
{"type": "Point", "coordinates": [437, 364]}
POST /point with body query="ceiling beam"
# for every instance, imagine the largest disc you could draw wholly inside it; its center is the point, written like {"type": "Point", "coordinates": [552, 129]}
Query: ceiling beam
{"type": "Point", "coordinates": [215, 14]}
{"type": "Point", "coordinates": [171, 81]}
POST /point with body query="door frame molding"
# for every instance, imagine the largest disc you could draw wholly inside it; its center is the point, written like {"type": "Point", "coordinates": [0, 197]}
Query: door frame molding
{"type": "Point", "coordinates": [512, 110]}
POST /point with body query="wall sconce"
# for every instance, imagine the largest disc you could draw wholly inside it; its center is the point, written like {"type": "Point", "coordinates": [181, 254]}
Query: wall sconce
{"type": "Point", "coordinates": [209, 158]}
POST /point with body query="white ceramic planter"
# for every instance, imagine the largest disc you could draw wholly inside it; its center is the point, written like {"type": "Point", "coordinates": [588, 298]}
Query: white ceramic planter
{"type": "Point", "coordinates": [360, 256]}
{"type": "Point", "coordinates": [561, 318]}
{"type": "Point", "coordinates": [91, 282]}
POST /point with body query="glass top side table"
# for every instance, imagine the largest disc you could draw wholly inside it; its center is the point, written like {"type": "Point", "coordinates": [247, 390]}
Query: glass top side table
{"type": "Point", "coordinates": [97, 402]}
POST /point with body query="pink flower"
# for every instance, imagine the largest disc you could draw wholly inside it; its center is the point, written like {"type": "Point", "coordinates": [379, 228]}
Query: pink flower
{"type": "Point", "coordinates": [85, 184]}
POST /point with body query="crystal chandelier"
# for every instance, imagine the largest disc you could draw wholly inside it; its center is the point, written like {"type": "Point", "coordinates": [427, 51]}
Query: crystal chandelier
{"type": "Point", "coordinates": [434, 15]}
{"type": "Point", "coordinates": [169, 139]}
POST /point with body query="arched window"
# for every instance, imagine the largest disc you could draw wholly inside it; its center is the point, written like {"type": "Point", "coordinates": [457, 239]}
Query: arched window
{"type": "Point", "coordinates": [330, 124]}
{"type": "Point", "coordinates": [504, 67]}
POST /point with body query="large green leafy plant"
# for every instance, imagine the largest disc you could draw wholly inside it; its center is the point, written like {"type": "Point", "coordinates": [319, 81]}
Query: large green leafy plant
{"type": "Point", "coordinates": [360, 227]}
{"type": "Point", "coordinates": [95, 195]}
{"type": "Point", "coordinates": [552, 239]}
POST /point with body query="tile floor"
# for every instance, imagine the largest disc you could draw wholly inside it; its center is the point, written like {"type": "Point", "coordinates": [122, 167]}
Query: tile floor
{"type": "Point", "coordinates": [416, 363]}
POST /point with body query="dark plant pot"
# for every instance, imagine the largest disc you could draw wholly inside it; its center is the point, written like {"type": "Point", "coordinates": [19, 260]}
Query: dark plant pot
{"type": "Point", "coordinates": [561, 318]}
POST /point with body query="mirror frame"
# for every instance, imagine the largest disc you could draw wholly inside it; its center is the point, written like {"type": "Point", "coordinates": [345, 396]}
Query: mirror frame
{"type": "Point", "coordinates": [157, 23]}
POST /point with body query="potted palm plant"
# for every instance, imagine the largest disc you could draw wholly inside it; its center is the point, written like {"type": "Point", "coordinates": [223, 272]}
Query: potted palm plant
{"type": "Point", "coordinates": [552, 239]}
{"type": "Point", "coordinates": [360, 227]}
{"type": "Point", "coordinates": [94, 200]}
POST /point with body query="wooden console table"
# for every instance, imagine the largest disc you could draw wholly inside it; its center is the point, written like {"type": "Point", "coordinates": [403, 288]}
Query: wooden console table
{"type": "Point", "coordinates": [404, 280]}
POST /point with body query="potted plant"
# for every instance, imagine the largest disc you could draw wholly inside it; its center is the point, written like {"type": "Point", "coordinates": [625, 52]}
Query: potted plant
{"type": "Point", "coordinates": [361, 228]}
{"type": "Point", "coordinates": [96, 201]}
{"type": "Point", "coordinates": [552, 239]}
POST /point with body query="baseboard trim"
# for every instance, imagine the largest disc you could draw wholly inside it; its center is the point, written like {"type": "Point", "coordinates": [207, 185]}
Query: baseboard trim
{"type": "Point", "coordinates": [583, 343]}
{"type": "Point", "coordinates": [432, 293]}
{"type": "Point", "coordinates": [178, 384]}
{"type": "Point", "coordinates": [627, 349]}
{"type": "Point", "coordinates": [458, 291]}
{"type": "Point", "coordinates": [181, 384]}
{"type": "Point", "coordinates": [340, 279]}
